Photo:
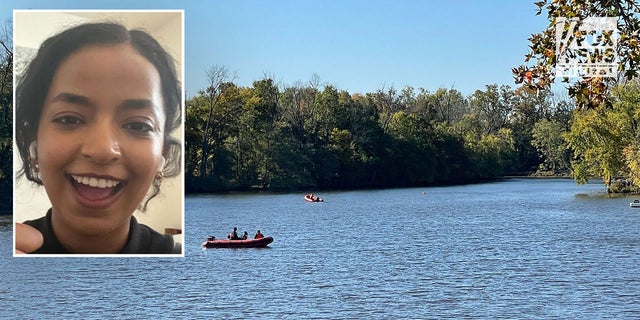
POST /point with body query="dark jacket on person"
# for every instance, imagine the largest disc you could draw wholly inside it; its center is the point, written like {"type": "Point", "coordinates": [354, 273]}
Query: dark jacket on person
{"type": "Point", "coordinates": [142, 239]}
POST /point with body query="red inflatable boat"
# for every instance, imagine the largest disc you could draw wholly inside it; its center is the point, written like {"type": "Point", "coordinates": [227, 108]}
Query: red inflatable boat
{"type": "Point", "coordinates": [312, 198]}
{"type": "Point", "coordinates": [249, 243]}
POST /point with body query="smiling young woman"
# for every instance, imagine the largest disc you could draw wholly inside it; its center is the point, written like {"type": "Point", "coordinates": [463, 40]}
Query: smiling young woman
{"type": "Point", "coordinates": [94, 114]}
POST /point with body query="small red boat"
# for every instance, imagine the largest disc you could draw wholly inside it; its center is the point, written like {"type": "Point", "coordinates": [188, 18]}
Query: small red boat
{"type": "Point", "coordinates": [312, 198]}
{"type": "Point", "coordinates": [248, 243]}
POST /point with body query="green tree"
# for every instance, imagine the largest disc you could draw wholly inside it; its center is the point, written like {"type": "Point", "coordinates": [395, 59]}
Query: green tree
{"type": "Point", "coordinates": [548, 141]}
{"type": "Point", "coordinates": [258, 134]}
{"type": "Point", "coordinates": [327, 113]}
{"type": "Point", "coordinates": [493, 106]}
{"type": "Point", "coordinates": [297, 105]}
{"type": "Point", "coordinates": [361, 161]}
{"type": "Point", "coordinates": [597, 148]}
{"type": "Point", "coordinates": [605, 141]}
{"type": "Point", "coordinates": [448, 105]}
{"type": "Point", "coordinates": [195, 113]}
{"type": "Point", "coordinates": [489, 154]}
{"type": "Point", "coordinates": [414, 152]}
{"type": "Point", "coordinates": [219, 114]}
{"type": "Point", "coordinates": [530, 107]}
{"type": "Point", "coordinates": [562, 111]}
{"type": "Point", "coordinates": [629, 100]}
{"type": "Point", "coordinates": [452, 158]}
{"type": "Point", "coordinates": [387, 102]}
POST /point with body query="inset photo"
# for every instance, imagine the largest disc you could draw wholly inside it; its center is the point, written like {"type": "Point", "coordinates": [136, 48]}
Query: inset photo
{"type": "Point", "coordinates": [98, 133]}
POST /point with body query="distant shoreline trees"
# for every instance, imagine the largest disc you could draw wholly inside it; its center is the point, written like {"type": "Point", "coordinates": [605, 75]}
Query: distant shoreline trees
{"type": "Point", "coordinates": [317, 136]}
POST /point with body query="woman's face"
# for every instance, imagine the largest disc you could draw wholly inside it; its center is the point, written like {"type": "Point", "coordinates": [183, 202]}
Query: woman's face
{"type": "Point", "coordinates": [100, 137]}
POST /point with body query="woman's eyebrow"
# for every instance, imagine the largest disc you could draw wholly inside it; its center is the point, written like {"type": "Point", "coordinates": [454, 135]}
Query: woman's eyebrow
{"type": "Point", "coordinates": [79, 100]}
{"type": "Point", "coordinates": [73, 98]}
{"type": "Point", "coordinates": [137, 104]}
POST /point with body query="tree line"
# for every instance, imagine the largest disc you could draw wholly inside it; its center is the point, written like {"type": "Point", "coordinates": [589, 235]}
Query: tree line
{"type": "Point", "coordinates": [313, 135]}
{"type": "Point", "coordinates": [6, 117]}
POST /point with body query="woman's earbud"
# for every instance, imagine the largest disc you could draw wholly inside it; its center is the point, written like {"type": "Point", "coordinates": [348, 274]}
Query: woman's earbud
{"type": "Point", "coordinates": [33, 157]}
{"type": "Point", "coordinates": [32, 150]}
{"type": "Point", "coordinates": [159, 174]}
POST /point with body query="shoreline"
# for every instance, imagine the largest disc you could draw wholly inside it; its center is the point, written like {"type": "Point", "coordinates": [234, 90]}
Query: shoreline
{"type": "Point", "coordinates": [536, 177]}
{"type": "Point", "coordinates": [303, 190]}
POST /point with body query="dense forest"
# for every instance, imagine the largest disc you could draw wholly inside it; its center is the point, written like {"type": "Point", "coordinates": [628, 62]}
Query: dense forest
{"type": "Point", "coordinates": [311, 135]}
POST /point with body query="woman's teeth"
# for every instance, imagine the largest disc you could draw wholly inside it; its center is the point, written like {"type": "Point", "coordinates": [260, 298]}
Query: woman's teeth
{"type": "Point", "coordinates": [95, 182]}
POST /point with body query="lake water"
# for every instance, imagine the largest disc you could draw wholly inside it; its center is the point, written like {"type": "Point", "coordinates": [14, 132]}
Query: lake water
{"type": "Point", "coordinates": [512, 249]}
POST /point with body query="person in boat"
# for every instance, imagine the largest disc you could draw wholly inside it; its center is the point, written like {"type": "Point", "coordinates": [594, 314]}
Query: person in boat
{"type": "Point", "coordinates": [95, 112]}
{"type": "Point", "coordinates": [245, 236]}
{"type": "Point", "coordinates": [258, 235]}
{"type": "Point", "coordinates": [233, 235]}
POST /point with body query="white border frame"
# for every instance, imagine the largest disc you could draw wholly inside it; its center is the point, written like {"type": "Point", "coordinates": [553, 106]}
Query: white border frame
{"type": "Point", "coordinates": [180, 178]}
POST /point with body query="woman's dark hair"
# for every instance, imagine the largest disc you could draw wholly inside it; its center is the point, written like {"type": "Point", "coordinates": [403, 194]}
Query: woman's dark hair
{"type": "Point", "coordinates": [34, 84]}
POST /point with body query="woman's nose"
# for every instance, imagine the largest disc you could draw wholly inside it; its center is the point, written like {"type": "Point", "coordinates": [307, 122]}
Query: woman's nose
{"type": "Point", "coordinates": [101, 144]}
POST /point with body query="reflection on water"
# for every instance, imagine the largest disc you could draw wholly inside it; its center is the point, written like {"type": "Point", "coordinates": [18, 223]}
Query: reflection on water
{"type": "Point", "coordinates": [511, 249]}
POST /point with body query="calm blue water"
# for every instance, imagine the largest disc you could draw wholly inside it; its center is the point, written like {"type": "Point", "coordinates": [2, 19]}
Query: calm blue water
{"type": "Point", "coordinates": [511, 249]}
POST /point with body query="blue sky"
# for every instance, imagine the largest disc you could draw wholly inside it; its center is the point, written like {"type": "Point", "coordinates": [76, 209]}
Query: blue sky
{"type": "Point", "coordinates": [358, 46]}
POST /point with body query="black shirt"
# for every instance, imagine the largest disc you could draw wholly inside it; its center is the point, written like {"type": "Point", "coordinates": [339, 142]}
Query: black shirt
{"type": "Point", "coordinates": [142, 239]}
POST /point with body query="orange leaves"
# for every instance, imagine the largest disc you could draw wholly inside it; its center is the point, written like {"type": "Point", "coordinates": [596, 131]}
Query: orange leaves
{"type": "Point", "coordinates": [549, 53]}
{"type": "Point", "coordinates": [528, 77]}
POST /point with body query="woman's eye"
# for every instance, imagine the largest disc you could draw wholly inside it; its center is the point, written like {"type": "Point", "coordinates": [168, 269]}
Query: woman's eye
{"type": "Point", "coordinates": [139, 127]}
{"type": "Point", "coordinates": [68, 120]}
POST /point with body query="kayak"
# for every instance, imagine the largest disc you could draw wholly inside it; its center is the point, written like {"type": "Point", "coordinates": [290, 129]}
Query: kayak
{"type": "Point", "coordinates": [249, 243]}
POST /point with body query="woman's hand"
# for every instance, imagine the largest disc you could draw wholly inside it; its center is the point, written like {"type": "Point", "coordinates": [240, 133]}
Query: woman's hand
{"type": "Point", "coordinates": [28, 239]}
